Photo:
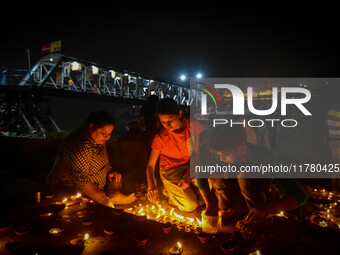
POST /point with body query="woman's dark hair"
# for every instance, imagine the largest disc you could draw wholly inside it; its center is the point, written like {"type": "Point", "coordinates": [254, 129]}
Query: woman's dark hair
{"type": "Point", "coordinates": [100, 119]}
{"type": "Point", "coordinates": [167, 106]}
{"type": "Point", "coordinates": [225, 138]}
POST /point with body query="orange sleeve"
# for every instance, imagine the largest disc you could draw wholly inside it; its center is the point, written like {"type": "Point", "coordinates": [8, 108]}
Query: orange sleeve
{"type": "Point", "coordinates": [157, 143]}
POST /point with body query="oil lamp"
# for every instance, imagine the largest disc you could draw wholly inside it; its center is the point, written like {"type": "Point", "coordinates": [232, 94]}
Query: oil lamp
{"type": "Point", "coordinates": [45, 215]}
{"type": "Point", "coordinates": [55, 231]}
{"type": "Point", "coordinates": [178, 249]}
{"type": "Point", "coordinates": [79, 241]}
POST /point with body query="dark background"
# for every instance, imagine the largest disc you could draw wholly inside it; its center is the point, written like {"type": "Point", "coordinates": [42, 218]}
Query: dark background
{"type": "Point", "coordinates": [164, 40]}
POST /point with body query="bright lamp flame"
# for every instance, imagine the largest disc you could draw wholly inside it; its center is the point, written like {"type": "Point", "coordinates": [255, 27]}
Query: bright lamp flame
{"type": "Point", "coordinates": [178, 216]}
{"type": "Point", "coordinates": [281, 214]}
{"type": "Point", "coordinates": [191, 219]}
{"type": "Point", "coordinates": [199, 222]}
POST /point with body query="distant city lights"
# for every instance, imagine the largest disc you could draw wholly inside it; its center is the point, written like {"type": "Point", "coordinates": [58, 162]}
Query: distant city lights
{"type": "Point", "coordinates": [75, 66]}
{"type": "Point", "coordinates": [198, 76]}
{"type": "Point", "coordinates": [95, 70]}
{"type": "Point", "coordinates": [113, 74]}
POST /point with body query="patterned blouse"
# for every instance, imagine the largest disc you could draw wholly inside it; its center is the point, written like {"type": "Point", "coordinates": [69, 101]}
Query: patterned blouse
{"type": "Point", "coordinates": [79, 161]}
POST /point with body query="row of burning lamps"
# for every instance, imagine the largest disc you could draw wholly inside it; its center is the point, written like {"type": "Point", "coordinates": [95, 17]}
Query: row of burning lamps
{"type": "Point", "coordinates": [139, 211]}
{"type": "Point", "coordinates": [328, 212]}
{"type": "Point", "coordinates": [154, 212]}
{"type": "Point", "coordinates": [157, 213]}
{"type": "Point", "coordinates": [151, 212]}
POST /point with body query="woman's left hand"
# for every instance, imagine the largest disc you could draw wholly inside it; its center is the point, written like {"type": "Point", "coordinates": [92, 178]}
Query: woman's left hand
{"type": "Point", "coordinates": [114, 176]}
{"type": "Point", "coordinates": [257, 216]}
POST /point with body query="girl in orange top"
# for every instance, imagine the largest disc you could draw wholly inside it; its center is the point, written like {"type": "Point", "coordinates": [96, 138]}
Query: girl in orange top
{"type": "Point", "coordinates": [173, 145]}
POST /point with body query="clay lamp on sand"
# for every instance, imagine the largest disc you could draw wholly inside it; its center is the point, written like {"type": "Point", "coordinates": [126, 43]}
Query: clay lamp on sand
{"type": "Point", "coordinates": [79, 241]}
{"type": "Point", "coordinates": [166, 227]}
{"type": "Point", "coordinates": [109, 230]}
{"type": "Point", "coordinates": [203, 237]}
{"type": "Point", "coordinates": [55, 231]}
{"type": "Point", "coordinates": [141, 239]}
{"type": "Point", "coordinates": [178, 249]}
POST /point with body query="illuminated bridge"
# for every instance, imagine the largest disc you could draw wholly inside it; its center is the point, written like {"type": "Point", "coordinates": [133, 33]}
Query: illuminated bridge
{"type": "Point", "coordinates": [22, 92]}
{"type": "Point", "coordinates": [64, 73]}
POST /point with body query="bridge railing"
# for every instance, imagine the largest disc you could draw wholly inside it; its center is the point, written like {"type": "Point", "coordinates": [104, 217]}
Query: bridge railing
{"type": "Point", "coordinates": [67, 73]}
{"type": "Point", "coordinates": [13, 76]}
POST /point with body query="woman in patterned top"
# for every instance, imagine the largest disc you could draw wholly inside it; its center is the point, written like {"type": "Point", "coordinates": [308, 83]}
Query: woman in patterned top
{"type": "Point", "coordinates": [83, 163]}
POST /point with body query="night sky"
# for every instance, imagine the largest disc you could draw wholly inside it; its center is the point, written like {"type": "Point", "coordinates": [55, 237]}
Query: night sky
{"type": "Point", "coordinates": [166, 41]}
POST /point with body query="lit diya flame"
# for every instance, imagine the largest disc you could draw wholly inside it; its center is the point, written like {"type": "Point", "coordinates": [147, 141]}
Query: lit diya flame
{"type": "Point", "coordinates": [328, 212]}
{"type": "Point", "coordinates": [255, 253]}
{"type": "Point", "coordinates": [76, 196]}
{"type": "Point", "coordinates": [199, 222]}
{"type": "Point", "coordinates": [165, 215]}
{"type": "Point", "coordinates": [79, 241]}
{"type": "Point", "coordinates": [45, 215]}
{"type": "Point", "coordinates": [179, 216]}
{"type": "Point", "coordinates": [86, 236]}
{"type": "Point", "coordinates": [323, 224]}
{"type": "Point", "coordinates": [177, 249]}
{"type": "Point", "coordinates": [55, 231]}
{"type": "Point", "coordinates": [281, 214]}
{"type": "Point", "coordinates": [191, 220]}
{"type": "Point", "coordinates": [62, 202]}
